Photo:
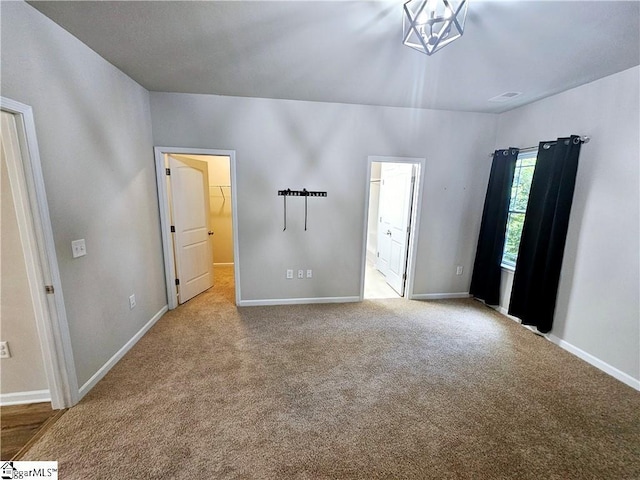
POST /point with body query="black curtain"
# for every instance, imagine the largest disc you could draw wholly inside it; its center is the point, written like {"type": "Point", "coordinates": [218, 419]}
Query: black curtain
{"type": "Point", "coordinates": [537, 275]}
{"type": "Point", "coordinates": [485, 281]}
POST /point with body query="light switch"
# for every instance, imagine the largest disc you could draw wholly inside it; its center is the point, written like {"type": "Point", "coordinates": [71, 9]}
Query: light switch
{"type": "Point", "coordinates": [78, 248]}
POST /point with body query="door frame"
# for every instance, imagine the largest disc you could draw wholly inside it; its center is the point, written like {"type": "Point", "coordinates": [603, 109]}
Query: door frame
{"type": "Point", "coordinates": [36, 233]}
{"type": "Point", "coordinates": [416, 208]}
{"type": "Point", "coordinates": [165, 217]}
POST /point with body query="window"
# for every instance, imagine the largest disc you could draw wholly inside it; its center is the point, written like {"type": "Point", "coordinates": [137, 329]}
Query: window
{"type": "Point", "coordinates": [525, 165]}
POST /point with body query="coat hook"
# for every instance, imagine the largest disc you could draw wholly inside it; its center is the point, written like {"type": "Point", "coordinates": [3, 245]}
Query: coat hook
{"type": "Point", "coordinates": [299, 193]}
{"type": "Point", "coordinates": [286, 193]}
{"type": "Point", "coordinates": [306, 196]}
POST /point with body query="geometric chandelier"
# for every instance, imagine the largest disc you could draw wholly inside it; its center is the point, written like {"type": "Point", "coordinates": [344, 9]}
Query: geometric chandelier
{"type": "Point", "coordinates": [430, 25]}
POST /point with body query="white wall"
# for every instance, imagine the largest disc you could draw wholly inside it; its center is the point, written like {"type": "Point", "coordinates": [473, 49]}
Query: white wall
{"type": "Point", "coordinates": [283, 144]}
{"type": "Point", "coordinates": [24, 371]}
{"type": "Point", "coordinates": [374, 207]}
{"type": "Point", "coordinates": [598, 307]}
{"type": "Point", "coordinates": [94, 134]}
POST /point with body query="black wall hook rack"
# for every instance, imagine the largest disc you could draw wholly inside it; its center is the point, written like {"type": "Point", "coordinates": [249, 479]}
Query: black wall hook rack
{"type": "Point", "coordinates": [298, 193]}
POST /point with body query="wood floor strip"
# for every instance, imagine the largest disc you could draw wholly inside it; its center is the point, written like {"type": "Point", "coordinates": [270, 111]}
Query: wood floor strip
{"type": "Point", "coordinates": [20, 423]}
{"type": "Point", "coordinates": [45, 426]}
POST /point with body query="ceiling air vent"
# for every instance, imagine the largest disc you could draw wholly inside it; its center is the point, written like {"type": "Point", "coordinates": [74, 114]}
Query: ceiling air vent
{"type": "Point", "coordinates": [505, 97]}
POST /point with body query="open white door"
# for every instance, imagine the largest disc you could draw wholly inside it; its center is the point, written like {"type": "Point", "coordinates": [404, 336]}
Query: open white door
{"type": "Point", "coordinates": [396, 194]}
{"type": "Point", "coordinates": [190, 209]}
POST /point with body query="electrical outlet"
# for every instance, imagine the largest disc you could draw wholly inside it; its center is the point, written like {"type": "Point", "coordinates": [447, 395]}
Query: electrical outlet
{"type": "Point", "coordinates": [4, 350]}
{"type": "Point", "coordinates": [78, 248]}
{"type": "Point", "coordinates": [309, 273]}
{"type": "Point", "coordinates": [459, 270]}
{"type": "Point", "coordinates": [289, 274]}
{"type": "Point", "coordinates": [132, 302]}
{"type": "Point", "coordinates": [300, 273]}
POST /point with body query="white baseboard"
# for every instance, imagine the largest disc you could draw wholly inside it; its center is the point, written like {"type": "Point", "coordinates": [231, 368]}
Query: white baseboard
{"type": "Point", "coordinates": [596, 362]}
{"type": "Point", "coordinates": [505, 312]}
{"type": "Point", "coordinates": [223, 264]}
{"type": "Point", "coordinates": [296, 301]}
{"type": "Point", "coordinates": [22, 398]}
{"type": "Point", "coordinates": [439, 296]}
{"type": "Point", "coordinates": [587, 357]}
{"type": "Point", "coordinates": [99, 375]}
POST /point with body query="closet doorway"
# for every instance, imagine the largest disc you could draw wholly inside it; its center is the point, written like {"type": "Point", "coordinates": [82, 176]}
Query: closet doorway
{"type": "Point", "coordinates": [198, 216]}
{"type": "Point", "coordinates": [392, 213]}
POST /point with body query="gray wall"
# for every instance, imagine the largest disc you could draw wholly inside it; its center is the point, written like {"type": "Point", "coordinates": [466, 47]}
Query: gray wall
{"type": "Point", "coordinates": [319, 146]}
{"type": "Point", "coordinates": [94, 133]}
{"type": "Point", "coordinates": [598, 307]}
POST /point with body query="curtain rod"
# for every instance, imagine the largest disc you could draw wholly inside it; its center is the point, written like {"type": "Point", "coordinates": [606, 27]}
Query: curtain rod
{"type": "Point", "coordinates": [583, 139]}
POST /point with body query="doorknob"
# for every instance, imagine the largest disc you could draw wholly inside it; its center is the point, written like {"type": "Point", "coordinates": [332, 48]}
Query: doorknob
{"type": "Point", "coordinates": [210, 232]}
{"type": "Point", "coordinates": [389, 232]}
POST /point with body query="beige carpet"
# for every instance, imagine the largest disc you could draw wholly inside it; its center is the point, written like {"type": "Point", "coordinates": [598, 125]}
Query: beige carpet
{"type": "Point", "coordinates": [381, 389]}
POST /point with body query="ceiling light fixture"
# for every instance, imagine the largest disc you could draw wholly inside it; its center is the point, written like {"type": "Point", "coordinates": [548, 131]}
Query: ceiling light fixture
{"type": "Point", "coordinates": [430, 25]}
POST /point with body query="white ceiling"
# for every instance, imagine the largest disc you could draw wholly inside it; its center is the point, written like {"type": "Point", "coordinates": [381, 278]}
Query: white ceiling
{"type": "Point", "coordinates": [352, 52]}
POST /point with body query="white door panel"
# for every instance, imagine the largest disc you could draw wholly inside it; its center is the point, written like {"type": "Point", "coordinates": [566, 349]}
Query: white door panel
{"type": "Point", "coordinates": [190, 209]}
{"type": "Point", "coordinates": [396, 194]}
{"type": "Point", "coordinates": [384, 248]}
{"type": "Point", "coordinates": [395, 264]}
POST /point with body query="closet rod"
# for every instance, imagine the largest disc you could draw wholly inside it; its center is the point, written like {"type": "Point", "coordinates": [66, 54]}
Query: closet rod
{"type": "Point", "coordinates": [221, 191]}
